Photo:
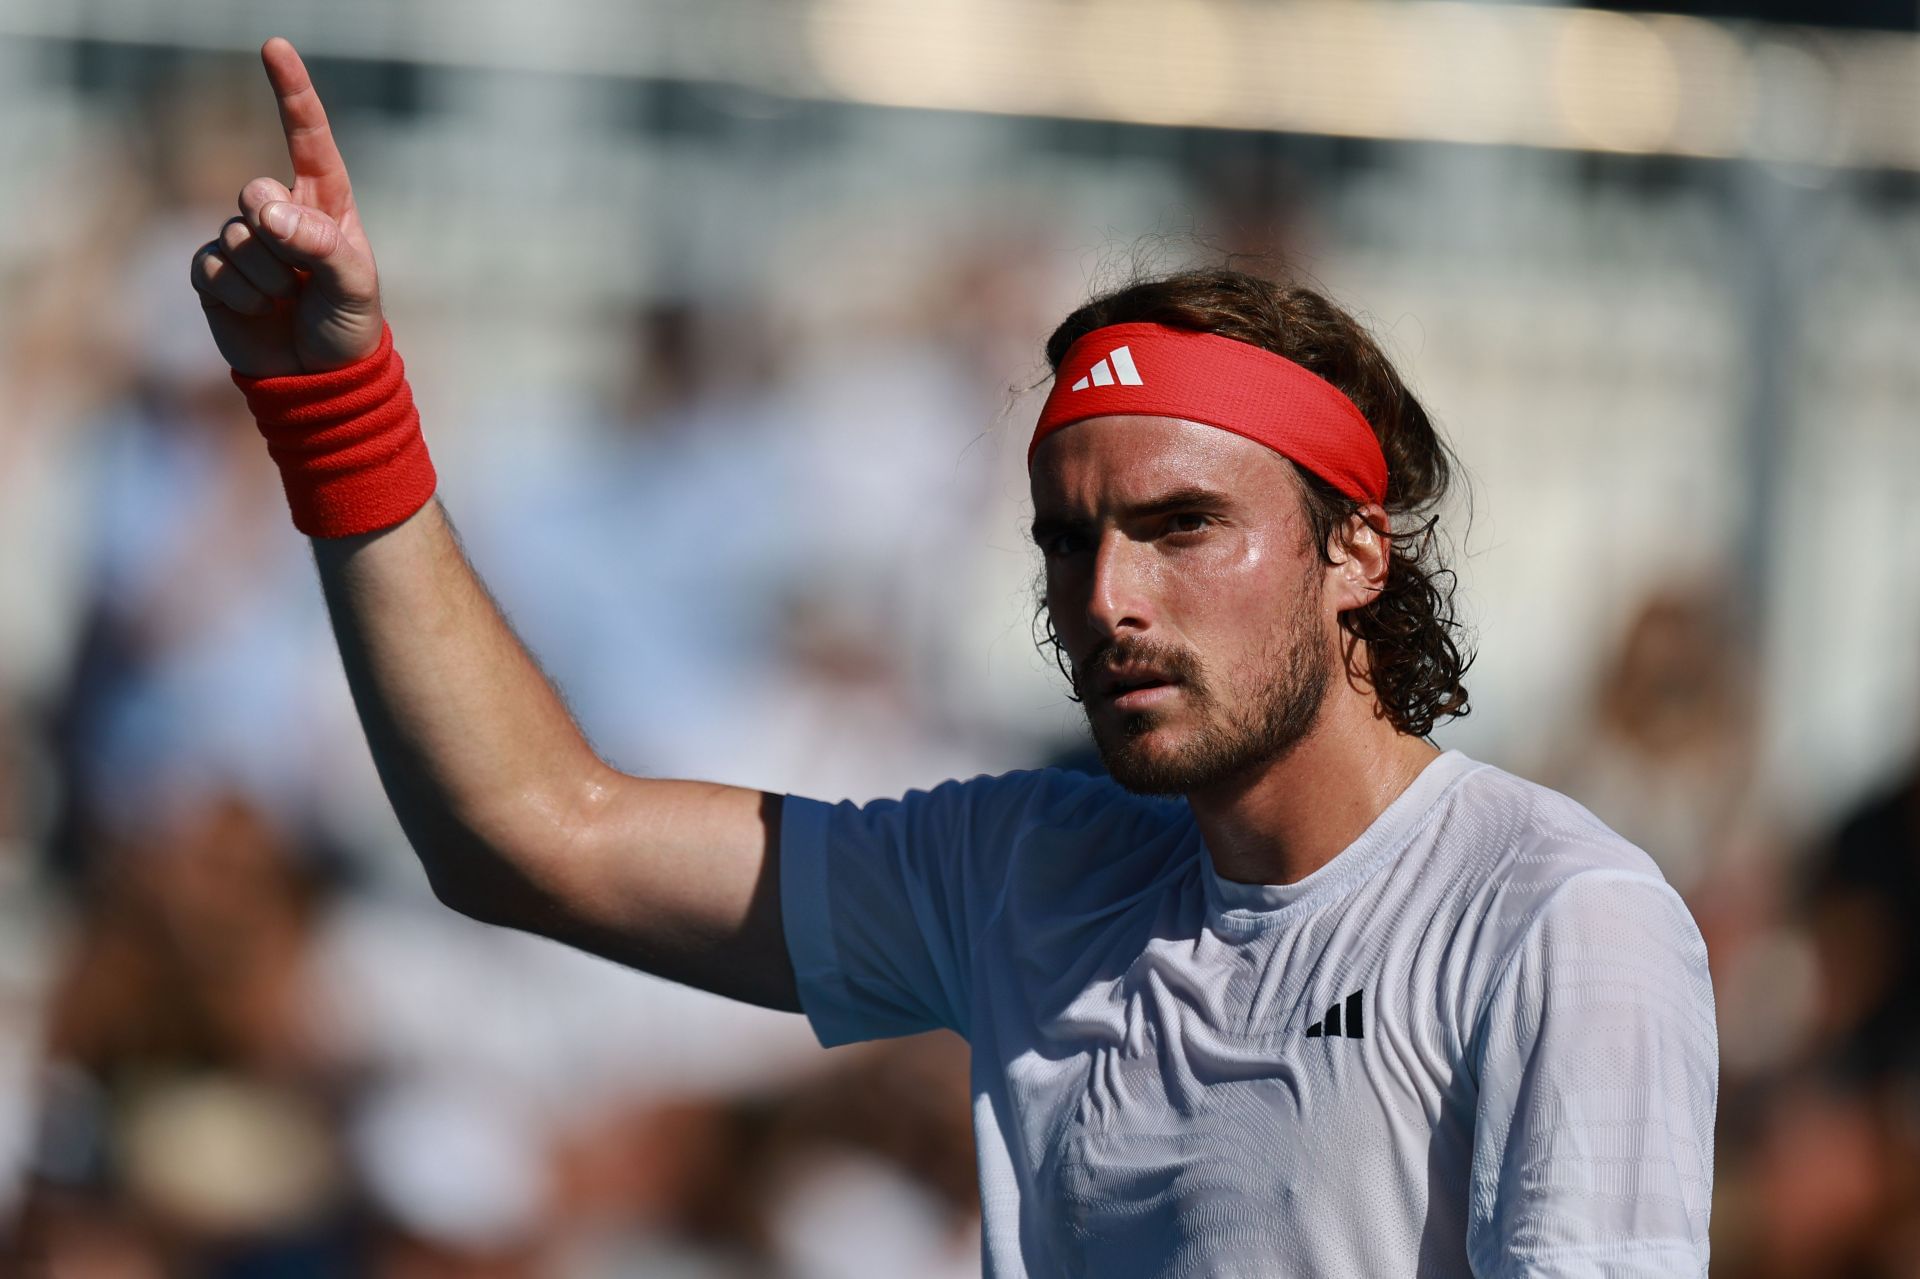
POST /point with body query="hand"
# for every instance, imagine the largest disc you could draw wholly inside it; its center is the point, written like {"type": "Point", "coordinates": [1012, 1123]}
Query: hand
{"type": "Point", "coordinates": [290, 285]}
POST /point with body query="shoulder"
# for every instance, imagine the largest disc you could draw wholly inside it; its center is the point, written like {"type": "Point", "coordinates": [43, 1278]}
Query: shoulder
{"type": "Point", "coordinates": [1535, 858]}
{"type": "Point", "coordinates": [1055, 844]}
{"type": "Point", "coordinates": [1051, 804]}
{"type": "Point", "coordinates": [1036, 797]}
{"type": "Point", "coordinates": [993, 817]}
{"type": "Point", "coordinates": [1529, 840]}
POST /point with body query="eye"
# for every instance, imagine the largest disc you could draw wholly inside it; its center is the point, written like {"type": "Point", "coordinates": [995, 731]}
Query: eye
{"type": "Point", "coordinates": [1056, 545]}
{"type": "Point", "coordinates": [1188, 522]}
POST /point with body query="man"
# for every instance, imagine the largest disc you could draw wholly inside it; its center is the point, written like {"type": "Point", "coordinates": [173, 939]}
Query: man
{"type": "Point", "coordinates": [1293, 993]}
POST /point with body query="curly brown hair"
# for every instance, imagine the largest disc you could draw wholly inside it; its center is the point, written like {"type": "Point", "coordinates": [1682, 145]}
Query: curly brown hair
{"type": "Point", "coordinates": [1417, 649]}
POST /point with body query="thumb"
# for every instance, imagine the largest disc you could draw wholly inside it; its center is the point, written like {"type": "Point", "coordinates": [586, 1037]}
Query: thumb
{"type": "Point", "coordinates": [305, 237]}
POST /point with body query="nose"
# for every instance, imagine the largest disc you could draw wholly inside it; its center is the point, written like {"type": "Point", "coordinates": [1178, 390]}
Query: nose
{"type": "Point", "coordinates": [1117, 598]}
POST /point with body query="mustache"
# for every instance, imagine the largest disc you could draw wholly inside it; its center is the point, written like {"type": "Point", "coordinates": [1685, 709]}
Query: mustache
{"type": "Point", "coordinates": [1176, 663]}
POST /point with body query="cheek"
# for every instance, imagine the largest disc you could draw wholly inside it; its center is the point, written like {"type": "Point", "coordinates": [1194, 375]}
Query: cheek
{"type": "Point", "coordinates": [1239, 609]}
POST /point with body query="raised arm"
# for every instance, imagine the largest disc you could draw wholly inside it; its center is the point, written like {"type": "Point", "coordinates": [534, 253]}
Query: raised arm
{"type": "Point", "coordinates": [515, 818]}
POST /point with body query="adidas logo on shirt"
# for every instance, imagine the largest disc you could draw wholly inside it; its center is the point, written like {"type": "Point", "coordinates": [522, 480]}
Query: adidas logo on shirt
{"type": "Point", "coordinates": [1352, 1025]}
{"type": "Point", "coordinates": [1115, 365]}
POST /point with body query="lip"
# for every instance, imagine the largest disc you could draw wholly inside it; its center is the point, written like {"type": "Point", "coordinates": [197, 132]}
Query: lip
{"type": "Point", "coordinates": [1139, 699]}
{"type": "Point", "coordinates": [1151, 685]}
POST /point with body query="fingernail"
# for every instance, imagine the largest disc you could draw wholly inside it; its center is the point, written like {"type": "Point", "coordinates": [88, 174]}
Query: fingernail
{"type": "Point", "coordinates": [281, 218]}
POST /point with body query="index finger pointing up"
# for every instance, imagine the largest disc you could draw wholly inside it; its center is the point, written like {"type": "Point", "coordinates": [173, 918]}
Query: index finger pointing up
{"type": "Point", "coordinates": [319, 174]}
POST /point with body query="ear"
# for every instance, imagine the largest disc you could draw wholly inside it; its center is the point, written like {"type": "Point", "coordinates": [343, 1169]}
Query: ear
{"type": "Point", "coordinates": [1361, 551]}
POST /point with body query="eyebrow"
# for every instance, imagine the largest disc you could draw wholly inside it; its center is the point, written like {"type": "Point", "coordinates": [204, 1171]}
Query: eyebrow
{"type": "Point", "coordinates": [1181, 499]}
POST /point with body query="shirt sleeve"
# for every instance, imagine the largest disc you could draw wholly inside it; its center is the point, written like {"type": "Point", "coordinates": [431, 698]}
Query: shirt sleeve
{"type": "Point", "coordinates": [1598, 1070]}
{"type": "Point", "coordinates": [880, 902]}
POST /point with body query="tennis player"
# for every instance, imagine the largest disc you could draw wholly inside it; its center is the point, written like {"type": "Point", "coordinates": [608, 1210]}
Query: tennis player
{"type": "Point", "coordinates": [1293, 993]}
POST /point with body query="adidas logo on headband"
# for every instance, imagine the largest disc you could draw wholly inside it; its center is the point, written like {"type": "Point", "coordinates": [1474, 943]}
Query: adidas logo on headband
{"type": "Point", "coordinates": [1102, 373]}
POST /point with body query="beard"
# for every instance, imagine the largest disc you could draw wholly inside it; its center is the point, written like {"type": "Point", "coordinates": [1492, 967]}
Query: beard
{"type": "Point", "coordinates": [1235, 734]}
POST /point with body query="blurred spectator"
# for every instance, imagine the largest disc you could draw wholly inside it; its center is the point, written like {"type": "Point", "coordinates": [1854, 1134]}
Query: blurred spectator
{"type": "Point", "coordinates": [1863, 896]}
{"type": "Point", "coordinates": [186, 1100]}
{"type": "Point", "coordinates": [200, 639]}
{"type": "Point", "coordinates": [32, 919]}
{"type": "Point", "coordinates": [1824, 1188]}
{"type": "Point", "coordinates": [1667, 751]}
{"type": "Point", "coordinates": [885, 1139]}
{"type": "Point", "coordinates": [1823, 1161]}
{"type": "Point", "coordinates": [784, 548]}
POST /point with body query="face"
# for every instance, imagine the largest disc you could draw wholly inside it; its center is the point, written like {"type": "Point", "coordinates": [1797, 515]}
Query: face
{"type": "Point", "coordinates": [1181, 577]}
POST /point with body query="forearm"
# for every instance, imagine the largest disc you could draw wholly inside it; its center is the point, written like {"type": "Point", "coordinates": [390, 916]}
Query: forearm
{"type": "Point", "coordinates": [479, 756]}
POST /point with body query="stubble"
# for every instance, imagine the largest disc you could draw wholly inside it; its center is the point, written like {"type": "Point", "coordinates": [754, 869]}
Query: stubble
{"type": "Point", "coordinates": [1237, 730]}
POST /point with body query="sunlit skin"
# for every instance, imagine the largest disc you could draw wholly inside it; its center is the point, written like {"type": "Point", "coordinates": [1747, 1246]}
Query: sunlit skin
{"type": "Point", "coordinates": [1185, 547]}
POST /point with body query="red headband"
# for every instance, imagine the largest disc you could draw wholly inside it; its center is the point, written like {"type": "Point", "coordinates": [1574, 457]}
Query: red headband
{"type": "Point", "coordinates": [1151, 370]}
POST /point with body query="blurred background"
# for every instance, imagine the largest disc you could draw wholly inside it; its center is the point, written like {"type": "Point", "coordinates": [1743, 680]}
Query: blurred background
{"type": "Point", "coordinates": [725, 320]}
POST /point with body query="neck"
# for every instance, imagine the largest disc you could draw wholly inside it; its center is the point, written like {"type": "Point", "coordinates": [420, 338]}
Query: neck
{"type": "Point", "coordinates": [1286, 819]}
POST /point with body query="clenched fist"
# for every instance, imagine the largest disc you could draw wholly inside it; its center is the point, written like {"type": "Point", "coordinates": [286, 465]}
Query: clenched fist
{"type": "Point", "coordinates": [289, 286]}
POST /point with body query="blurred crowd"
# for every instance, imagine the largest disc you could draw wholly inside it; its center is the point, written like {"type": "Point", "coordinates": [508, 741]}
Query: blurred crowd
{"type": "Point", "coordinates": [237, 1036]}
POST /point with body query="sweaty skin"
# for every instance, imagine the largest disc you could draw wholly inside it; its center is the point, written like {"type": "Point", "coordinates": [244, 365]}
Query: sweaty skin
{"type": "Point", "coordinates": [1167, 535]}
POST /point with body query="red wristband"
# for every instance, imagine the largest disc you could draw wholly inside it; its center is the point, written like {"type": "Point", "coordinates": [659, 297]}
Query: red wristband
{"type": "Point", "coordinates": [347, 442]}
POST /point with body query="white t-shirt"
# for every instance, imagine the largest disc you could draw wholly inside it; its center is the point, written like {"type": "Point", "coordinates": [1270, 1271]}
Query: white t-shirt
{"type": "Point", "coordinates": [1479, 1040]}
